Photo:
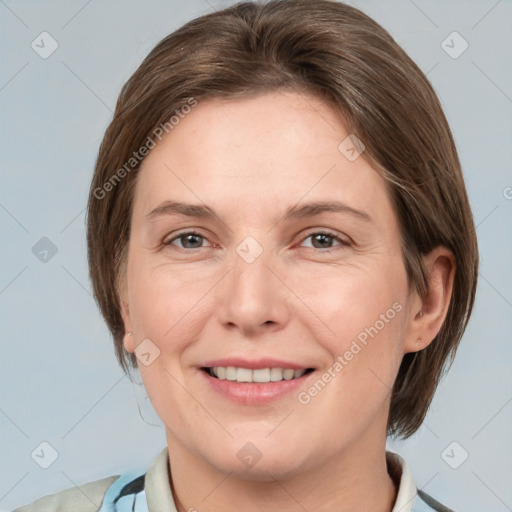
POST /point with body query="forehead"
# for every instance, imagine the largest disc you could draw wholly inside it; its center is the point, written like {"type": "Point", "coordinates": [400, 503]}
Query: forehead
{"type": "Point", "coordinates": [264, 152]}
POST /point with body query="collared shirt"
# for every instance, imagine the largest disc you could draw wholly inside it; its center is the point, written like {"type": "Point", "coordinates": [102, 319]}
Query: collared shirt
{"type": "Point", "coordinates": [151, 492]}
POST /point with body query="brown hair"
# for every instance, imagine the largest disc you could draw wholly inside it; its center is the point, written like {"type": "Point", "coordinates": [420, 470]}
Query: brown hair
{"type": "Point", "coordinates": [345, 57]}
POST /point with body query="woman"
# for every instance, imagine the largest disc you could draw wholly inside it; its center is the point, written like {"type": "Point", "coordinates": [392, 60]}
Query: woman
{"type": "Point", "coordinates": [280, 241]}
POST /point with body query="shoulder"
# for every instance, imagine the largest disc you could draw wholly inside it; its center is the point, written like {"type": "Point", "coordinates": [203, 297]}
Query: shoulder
{"type": "Point", "coordinates": [86, 498]}
{"type": "Point", "coordinates": [430, 504]}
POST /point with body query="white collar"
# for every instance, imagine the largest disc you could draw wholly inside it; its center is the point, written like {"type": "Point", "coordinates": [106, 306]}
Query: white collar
{"type": "Point", "coordinates": [403, 479]}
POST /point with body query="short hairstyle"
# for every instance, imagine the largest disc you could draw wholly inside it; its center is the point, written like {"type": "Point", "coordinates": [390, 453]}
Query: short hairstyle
{"type": "Point", "coordinates": [345, 58]}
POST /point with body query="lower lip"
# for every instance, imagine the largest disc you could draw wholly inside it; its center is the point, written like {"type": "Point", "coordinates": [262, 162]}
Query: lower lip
{"type": "Point", "coordinates": [250, 393]}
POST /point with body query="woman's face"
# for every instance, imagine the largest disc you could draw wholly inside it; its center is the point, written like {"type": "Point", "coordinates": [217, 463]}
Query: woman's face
{"type": "Point", "coordinates": [259, 243]}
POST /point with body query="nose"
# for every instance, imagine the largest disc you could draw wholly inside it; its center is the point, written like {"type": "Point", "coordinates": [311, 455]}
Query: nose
{"type": "Point", "coordinates": [253, 297]}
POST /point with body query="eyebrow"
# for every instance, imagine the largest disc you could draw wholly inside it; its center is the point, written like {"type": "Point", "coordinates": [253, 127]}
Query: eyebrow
{"type": "Point", "coordinates": [301, 211]}
{"type": "Point", "coordinates": [316, 208]}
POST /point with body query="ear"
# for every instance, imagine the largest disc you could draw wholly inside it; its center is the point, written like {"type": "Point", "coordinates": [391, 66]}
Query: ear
{"type": "Point", "coordinates": [129, 339]}
{"type": "Point", "coordinates": [427, 313]}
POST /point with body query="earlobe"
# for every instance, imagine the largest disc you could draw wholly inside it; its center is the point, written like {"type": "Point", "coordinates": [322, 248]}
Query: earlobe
{"type": "Point", "coordinates": [429, 312]}
{"type": "Point", "coordinates": [128, 339]}
{"type": "Point", "coordinates": [128, 342]}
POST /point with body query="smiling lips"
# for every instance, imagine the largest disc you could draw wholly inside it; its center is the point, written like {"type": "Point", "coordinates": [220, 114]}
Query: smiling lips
{"type": "Point", "coordinates": [234, 374]}
{"type": "Point", "coordinates": [256, 371]}
{"type": "Point", "coordinates": [254, 386]}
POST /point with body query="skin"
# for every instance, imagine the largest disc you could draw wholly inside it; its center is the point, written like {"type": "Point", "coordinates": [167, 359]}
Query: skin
{"type": "Point", "coordinates": [301, 300]}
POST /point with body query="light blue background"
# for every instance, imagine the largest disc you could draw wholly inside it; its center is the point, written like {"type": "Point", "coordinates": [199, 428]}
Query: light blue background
{"type": "Point", "coordinates": [60, 382]}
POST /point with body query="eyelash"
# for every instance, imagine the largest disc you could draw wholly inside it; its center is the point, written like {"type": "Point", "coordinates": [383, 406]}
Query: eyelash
{"type": "Point", "coordinates": [342, 242]}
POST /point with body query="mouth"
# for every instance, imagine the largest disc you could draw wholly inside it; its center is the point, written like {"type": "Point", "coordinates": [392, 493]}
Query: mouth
{"type": "Point", "coordinates": [255, 376]}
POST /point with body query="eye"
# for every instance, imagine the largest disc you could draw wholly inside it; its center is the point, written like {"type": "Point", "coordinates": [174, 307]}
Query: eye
{"type": "Point", "coordinates": [188, 240]}
{"type": "Point", "coordinates": [325, 240]}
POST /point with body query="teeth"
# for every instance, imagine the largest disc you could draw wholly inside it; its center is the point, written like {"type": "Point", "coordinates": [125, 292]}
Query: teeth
{"type": "Point", "coordinates": [276, 374]}
{"type": "Point", "coordinates": [288, 374]}
{"type": "Point", "coordinates": [243, 375]}
{"type": "Point", "coordinates": [261, 375]}
{"type": "Point", "coordinates": [230, 373]}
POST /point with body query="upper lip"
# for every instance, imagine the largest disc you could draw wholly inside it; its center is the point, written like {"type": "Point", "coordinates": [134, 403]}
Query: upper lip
{"type": "Point", "coordinates": [254, 364]}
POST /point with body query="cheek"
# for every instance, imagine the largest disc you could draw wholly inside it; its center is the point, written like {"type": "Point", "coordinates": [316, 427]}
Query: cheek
{"type": "Point", "coordinates": [163, 299]}
{"type": "Point", "coordinates": [362, 313]}
{"type": "Point", "coordinates": [349, 300]}
{"type": "Point", "coordinates": [165, 308]}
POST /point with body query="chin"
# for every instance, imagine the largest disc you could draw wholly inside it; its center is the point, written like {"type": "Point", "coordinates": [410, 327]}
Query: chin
{"type": "Point", "coordinates": [259, 459]}
{"type": "Point", "coordinates": [267, 469]}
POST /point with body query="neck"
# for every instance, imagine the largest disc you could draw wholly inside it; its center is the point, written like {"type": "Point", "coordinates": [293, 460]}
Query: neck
{"type": "Point", "coordinates": [356, 479]}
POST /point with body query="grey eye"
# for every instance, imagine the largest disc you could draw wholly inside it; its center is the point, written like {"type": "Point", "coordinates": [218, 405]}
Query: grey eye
{"type": "Point", "coordinates": [322, 240]}
{"type": "Point", "coordinates": [188, 240]}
